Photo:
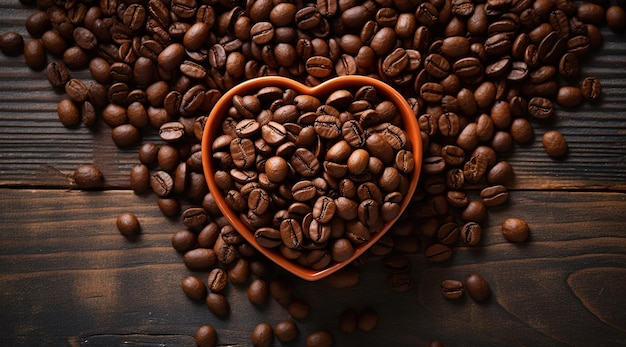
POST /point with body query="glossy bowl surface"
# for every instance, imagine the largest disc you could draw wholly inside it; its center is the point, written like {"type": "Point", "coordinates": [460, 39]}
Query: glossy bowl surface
{"type": "Point", "coordinates": [213, 126]}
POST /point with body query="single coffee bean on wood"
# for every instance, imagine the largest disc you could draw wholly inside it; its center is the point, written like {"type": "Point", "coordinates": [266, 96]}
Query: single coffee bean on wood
{"type": "Point", "coordinates": [477, 287]}
{"type": "Point", "coordinates": [554, 144]}
{"type": "Point", "coordinates": [205, 336]}
{"type": "Point", "coordinates": [128, 224]}
{"type": "Point", "coordinates": [88, 176]}
{"type": "Point", "coordinates": [452, 289]}
{"type": "Point", "coordinates": [515, 230]}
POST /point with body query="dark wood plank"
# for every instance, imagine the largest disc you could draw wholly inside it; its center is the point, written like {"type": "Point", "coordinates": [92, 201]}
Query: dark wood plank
{"type": "Point", "coordinates": [68, 277]}
{"type": "Point", "coordinates": [36, 150]}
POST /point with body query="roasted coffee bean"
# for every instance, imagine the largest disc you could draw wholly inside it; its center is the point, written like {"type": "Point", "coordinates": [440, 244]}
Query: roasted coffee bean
{"type": "Point", "coordinates": [127, 224]}
{"type": "Point", "coordinates": [68, 113]}
{"type": "Point", "coordinates": [615, 17]}
{"type": "Point", "coordinates": [522, 131]}
{"type": "Point", "coordinates": [540, 108]}
{"type": "Point", "coordinates": [437, 253]}
{"type": "Point", "coordinates": [200, 259]}
{"type": "Point", "coordinates": [88, 176]}
{"type": "Point", "coordinates": [569, 65]}
{"type": "Point", "coordinates": [437, 66]}
{"type": "Point", "coordinates": [262, 335]}
{"type": "Point", "coordinates": [471, 233]}
{"type": "Point", "coordinates": [217, 304]}
{"type": "Point", "coordinates": [162, 183]}
{"type": "Point", "coordinates": [569, 96]}
{"type": "Point", "coordinates": [172, 132]}
{"type": "Point", "coordinates": [194, 217]}
{"type": "Point", "coordinates": [515, 230]}
{"type": "Point", "coordinates": [205, 336]}
{"type": "Point", "coordinates": [125, 135]}
{"type": "Point", "coordinates": [35, 54]}
{"type": "Point", "coordinates": [239, 271]}
{"type": "Point", "coordinates": [12, 43]}
{"type": "Point", "coordinates": [258, 291]}
{"type": "Point", "coordinates": [448, 233]}
{"type": "Point", "coordinates": [554, 144]}
{"type": "Point", "coordinates": [477, 287]}
{"type": "Point", "coordinates": [475, 211]}
{"type": "Point", "coordinates": [57, 74]}
{"type": "Point", "coordinates": [494, 195]}
{"type": "Point", "coordinates": [193, 287]}
{"type": "Point", "coordinates": [286, 331]}
{"type": "Point", "coordinates": [139, 178]}
{"type": "Point", "coordinates": [500, 173]}
{"type": "Point", "coordinates": [217, 280]}
{"type": "Point", "coordinates": [367, 320]}
{"type": "Point", "coordinates": [452, 289]}
{"type": "Point", "coordinates": [591, 89]}
{"type": "Point", "coordinates": [319, 338]}
{"type": "Point", "coordinates": [183, 240]}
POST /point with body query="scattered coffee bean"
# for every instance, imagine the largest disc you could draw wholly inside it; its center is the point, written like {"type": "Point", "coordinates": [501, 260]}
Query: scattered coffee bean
{"type": "Point", "coordinates": [193, 287]}
{"type": "Point", "coordinates": [11, 43]}
{"type": "Point", "coordinates": [298, 309]}
{"type": "Point", "coordinates": [320, 338]}
{"type": "Point", "coordinates": [262, 335]}
{"type": "Point", "coordinates": [218, 304]}
{"type": "Point", "coordinates": [477, 287]}
{"type": "Point", "coordinates": [286, 331]}
{"type": "Point", "coordinates": [88, 176]}
{"type": "Point", "coordinates": [127, 224]}
{"type": "Point", "coordinates": [515, 230]}
{"type": "Point", "coordinates": [554, 143]}
{"type": "Point", "coordinates": [206, 336]}
{"type": "Point", "coordinates": [367, 320]}
{"type": "Point", "coordinates": [452, 289]}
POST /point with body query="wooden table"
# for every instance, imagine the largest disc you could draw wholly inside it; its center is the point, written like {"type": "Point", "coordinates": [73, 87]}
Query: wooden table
{"type": "Point", "coordinates": [67, 277]}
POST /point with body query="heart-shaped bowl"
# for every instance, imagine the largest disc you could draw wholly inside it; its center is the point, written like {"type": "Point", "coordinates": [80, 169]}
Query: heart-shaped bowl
{"type": "Point", "coordinates": [404, 120]}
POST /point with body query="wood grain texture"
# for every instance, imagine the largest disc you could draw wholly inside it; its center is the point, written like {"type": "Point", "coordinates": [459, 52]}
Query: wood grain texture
{"type": "Point", "coordinates": [38, 151]}
{"type": "Point", "coordinates": [68, 277]}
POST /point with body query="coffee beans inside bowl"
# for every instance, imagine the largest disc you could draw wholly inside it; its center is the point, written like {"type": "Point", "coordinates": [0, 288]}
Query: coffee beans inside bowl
{"type": "Point", "coordinates": [313, 177]}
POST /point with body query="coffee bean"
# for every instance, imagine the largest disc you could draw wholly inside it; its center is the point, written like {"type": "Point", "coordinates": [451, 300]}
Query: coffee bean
{"type": "Point", "coordinates": [494, 195]}
{"type": "Point", "coordinates": [262, 335]}
{"type": "Point", "coordinates": [615, 17]}
{"type": "Point", "coordinates": [193, 287]}
{"type": "Point", "coordinates": [239, 271]}
{"type": "Point", "coordinates": [286, 331]}
{"type": "Point", "coordinates": [217, 280]}
{"type": "Point", "coordinates": [569, 96]}
{"type": "Point", "coordinates": [437, 253]}
{"type": "Point", "coordinates": [591, 89]}
{"type": "Point", "coordinates": [540, 108]}
{"type": "Point", "coordinates": [471, 233]}
{"type": "Point", "coordinates": [258, 291]}
{"type": "Point", "coordinates": [88, 176]}
{"type": "Point", "coordinates": [319, 338]}
{"type": "Point", "coordinates": [515, 230]}
{"type": "Point", "coordinates": [12, 43]}
{"type": "Point", "coordinates": [205, 336]}
{"type": "Point", "coordinates": [477, 287]}
{"type": "Point", "coordinates": [217, 304]}
{"type": "Point", "coordinates": [554, 144]}
{"type": "Point", "coordinates": [522, 131]}
{"type": "Point", "coordinates": [127, 224]}
{"type": "Point", "coordinates": [452, 289]}
{"type": "Point", "coordinates": [200, 259]}
{"type": "Point", "coordinates": [68, 113]}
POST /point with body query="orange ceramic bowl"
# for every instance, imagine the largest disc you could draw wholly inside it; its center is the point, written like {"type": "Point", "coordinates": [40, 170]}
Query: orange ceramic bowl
{"type": "Point", "coordinates": [213, 129]}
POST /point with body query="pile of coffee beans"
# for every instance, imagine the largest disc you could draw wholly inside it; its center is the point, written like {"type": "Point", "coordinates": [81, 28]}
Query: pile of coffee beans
{"type": "Point", "coordinates": [313, 178]}
{"type": "Point", "coordinates": [477, 75]}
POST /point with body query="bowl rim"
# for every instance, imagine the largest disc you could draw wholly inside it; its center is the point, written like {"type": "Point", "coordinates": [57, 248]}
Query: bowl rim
{"type": "Point", "coordinates": [219, 111]}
